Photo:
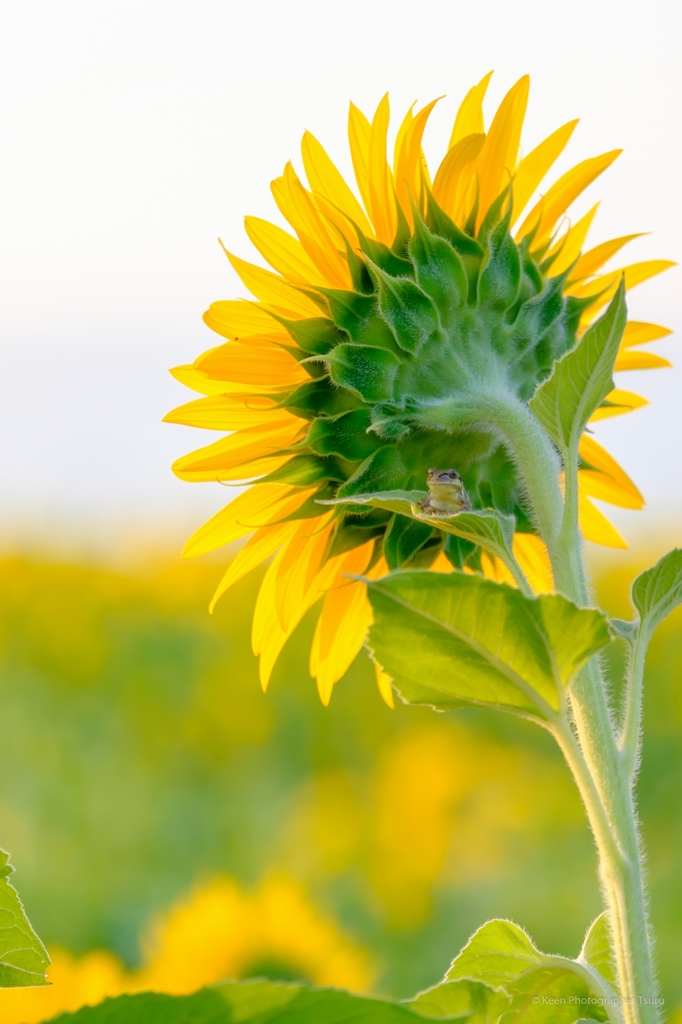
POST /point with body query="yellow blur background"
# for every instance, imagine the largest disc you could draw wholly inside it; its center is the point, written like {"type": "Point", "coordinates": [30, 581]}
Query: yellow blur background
{"type": "Point", "coordinates": [171, 825]}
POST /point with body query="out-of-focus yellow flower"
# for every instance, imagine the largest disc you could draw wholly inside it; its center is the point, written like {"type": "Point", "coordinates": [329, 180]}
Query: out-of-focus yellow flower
{"type": "Point", "coordinates": [219, 931]}
{"type": "Point", "coordinates": [300, 436]}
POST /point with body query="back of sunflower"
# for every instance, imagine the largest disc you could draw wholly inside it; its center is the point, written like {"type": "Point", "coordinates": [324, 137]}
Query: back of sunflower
{"type": "Point", "coordinates": [408, 399]}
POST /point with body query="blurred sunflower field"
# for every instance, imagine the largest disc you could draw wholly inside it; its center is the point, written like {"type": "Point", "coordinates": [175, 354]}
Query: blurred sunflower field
{"type": "Point", "coordinates": [172, 826]}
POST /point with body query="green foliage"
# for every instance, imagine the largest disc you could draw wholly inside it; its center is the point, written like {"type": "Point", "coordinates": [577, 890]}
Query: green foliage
{"type": "Point", "coordinates": [657, 591]}
{"type": "Point", "coordinates": [597, 951]}
{"type": "Point", "coordinates": [583, 378]}
{"type": "Point", "coordinates": [23, 958]}
{"type": "Point", "coordinates": [536, 987]}
{"type": "Point", "coordinates": [487, 528]}
{"type": "Point", "coordinates": [255, 1002]}
{"type": "Point", "coordinates": [449, 640]}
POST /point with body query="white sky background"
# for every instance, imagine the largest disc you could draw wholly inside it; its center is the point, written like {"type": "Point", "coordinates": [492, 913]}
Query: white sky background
{"type": "Point", "coordinates": [132, 134]}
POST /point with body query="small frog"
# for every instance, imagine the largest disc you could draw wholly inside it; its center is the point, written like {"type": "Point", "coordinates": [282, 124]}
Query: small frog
{"type": "Point", "coordinates": [446, 496]}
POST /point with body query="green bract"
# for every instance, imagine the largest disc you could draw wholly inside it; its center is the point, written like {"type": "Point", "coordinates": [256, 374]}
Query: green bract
{"type": "Point", "coordinates": [441, 318]}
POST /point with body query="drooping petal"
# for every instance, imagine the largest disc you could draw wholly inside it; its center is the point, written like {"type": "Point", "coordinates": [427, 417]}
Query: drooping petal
{"type": "Point", "coordinates": [535, 166]}
{"type": "Point", "coordinates": [249, 511]}
{"type": "Point", "coordinates": [267, 636]}
{"type": "Point", "coordinates": [299, 566]}
{"type": "Point", "coordinates": [384, 685]}
{"type": "Point", "coordinates": [559, 197]}
{"type": "Point", "coordinates": [603, 478]}
{"type": "Point", "coordinates": [532, 555]}
{"type": "Point", "coordinates": [596, 527]}
{"type": "Point", "coordinates": [264, 543]}
{"type": "Point", "coordinates": [604, 286]}
{"type": "Point", "coordinates": [469, 119]}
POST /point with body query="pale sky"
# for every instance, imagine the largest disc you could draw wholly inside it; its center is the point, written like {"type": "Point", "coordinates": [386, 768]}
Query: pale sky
{"type": "Point", "coordinates": [134, 133]}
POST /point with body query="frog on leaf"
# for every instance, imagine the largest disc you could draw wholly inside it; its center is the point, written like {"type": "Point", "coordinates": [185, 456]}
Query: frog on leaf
{"type": "Point", "coordinates": [447, 495]}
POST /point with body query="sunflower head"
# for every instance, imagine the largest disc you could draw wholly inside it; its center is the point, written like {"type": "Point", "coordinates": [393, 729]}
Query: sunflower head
{"type": "Point", "coordinates": [420, 293]}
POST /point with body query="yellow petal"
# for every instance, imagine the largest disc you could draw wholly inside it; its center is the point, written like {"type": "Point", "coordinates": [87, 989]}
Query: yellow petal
{"type": "Point", "coordinates": [282, 251]}
{"type": "Point", "coordinates": [499, 156]}
{"type": "Point", "coordinates": [299, 567]}
{"type": "Point", "coordinates": [638, 333]}
{"type": "Point", "coordinates": [441, 564]}
{"type": "Point", "coordinates": [450, 182]}
{"type": "Point", "coordinates": [605, 479]}
{"type": "Point", "coordinates": [593, 260]}
{"type": "Point", "coordinates": [324, 178]}
{"type": "Point", "coordinates": [380, 184]}
{"type": "Point", "coordinates": [532, 555]}
{"type": "Point", "coordinates": [633, 359]}
{"type": "Point", "coordinates": [569, 246]}
{"type": "Point", "coordinates": [224, 412]}
{"type": "Point", "coordinates": [236, 318]}
{"type": "Point", "coordinates": [560, 196]}
{"type": "Point", "coordinates": [606, 284]}
{"type": "Point", "coordinates": [273, 289]}
{"type": "Point", "coordinates": [596, 527]}
{"type": "Point", "coordinates": [234, 457]}
{"type": "Point", "coordinates": [264, 543]}
{"type": "Point", "coordinates": [341, 629]}
{"type": "Point", "coordinates": [620, 402]}
{"type": "Point", "coordinates": [359, 130]}
{"type": "Point", "coordinates": [249, 511]}
{"type": "Point", "coordinates": [267, 636]}
{"type": "Point", "coordinates": [199, 381]}
{"type": "Point", "coordinates": [385, 685]}
{"type": "Point", "coordinates": [298, 206]}
{"type": "Point", "coordinates": [257, 362]}
{"type": "Point", "coordinates": [469, 120]}
{"type": "Point", "coordinates": [535, 166]}
{"type": "Point", "coordinates": [407, 173]}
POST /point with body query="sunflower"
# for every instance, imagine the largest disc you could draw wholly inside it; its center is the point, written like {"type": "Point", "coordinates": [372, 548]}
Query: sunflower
{"type": "Point", "coordinates": [378, 305]}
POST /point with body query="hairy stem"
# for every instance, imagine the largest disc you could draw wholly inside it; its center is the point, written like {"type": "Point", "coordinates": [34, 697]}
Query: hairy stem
{"type": "Point", "coordinates": [600, 773]}
{"type": "Point", "coordinates": [631, 735]}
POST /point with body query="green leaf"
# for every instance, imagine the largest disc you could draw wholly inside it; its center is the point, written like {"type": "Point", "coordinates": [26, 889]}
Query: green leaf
{"type": "Point", "coordinates": [582, 378]}
{"type": "Point", "coordinates": [403, 538]}
{"type": "Point", "coordinates": [448, 640]}
{"type": "Point", "coordinates": [658, 591]}
{"type": "Point", "coordinates": [493, 530]}
{"type": "Point", "coordinates": [469, 1000]}
{"type": "Point", "coordinates": [250, 1002]}
{"type": "Point", "coordinates": [344, 435]}
{"type": "Point", "coordinates": [369, 372]}
{"type": "Point", "coordinates": [407, 309]}
{"type": "Point", "coordinates": [440, 271]}
{"type": "Point", "coordinates": [23, 958]}
{"type": "Point", "coordinates": [597, 951]}
{"type": "Point", "coordinates": [541, 987]}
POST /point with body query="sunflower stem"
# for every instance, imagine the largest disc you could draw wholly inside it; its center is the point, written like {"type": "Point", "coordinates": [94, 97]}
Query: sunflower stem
{"type": "Point", "coordinates": [602, 775]}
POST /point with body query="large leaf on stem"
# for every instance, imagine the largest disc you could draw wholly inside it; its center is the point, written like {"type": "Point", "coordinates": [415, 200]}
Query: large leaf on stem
{"type": "Point", "coordinates": [449, 640]}
{"type": "Point", "coordinates": [23, 958]}
{"type": "Point", "coordinates": [251, 1002]}
{"type": "Point", "coordinates": [582, 378]}
{"type": "Point", "coordinates": [493, 530]}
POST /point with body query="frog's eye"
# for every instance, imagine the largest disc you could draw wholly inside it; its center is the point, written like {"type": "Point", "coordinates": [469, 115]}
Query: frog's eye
{"type": "Point", "coordinates": [453, 474]}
